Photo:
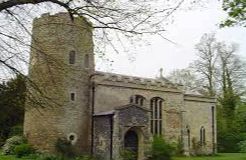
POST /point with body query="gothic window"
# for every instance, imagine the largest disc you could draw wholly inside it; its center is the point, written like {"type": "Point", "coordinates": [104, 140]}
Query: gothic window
{"type": "Point", "coordinates": [156, 115]}
{"type": "Point", "coordinates": [137, 99]}
{"type": "Point", "coordinates": [202, 136]}
{"type": "Point", "coordinates": [71, 57]}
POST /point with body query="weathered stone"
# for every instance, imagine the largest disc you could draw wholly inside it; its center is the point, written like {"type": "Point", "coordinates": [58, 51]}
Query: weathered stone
{"type": "Point", "coordinates": [96, 107]}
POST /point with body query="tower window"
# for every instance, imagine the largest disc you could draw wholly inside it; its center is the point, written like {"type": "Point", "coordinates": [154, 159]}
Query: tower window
{"type": "Point", "coordinates": [71, 57]}
{"type": "Point", "coordinates": [72, 96]}
{"type": "Point", "coordinates": [156, 115]}
{"type": "Point", "coordinates": [86, 61]}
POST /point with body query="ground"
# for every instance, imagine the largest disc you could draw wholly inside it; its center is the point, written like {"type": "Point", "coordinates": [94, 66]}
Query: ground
{"type": "Point", "coordinates": [224, 156]}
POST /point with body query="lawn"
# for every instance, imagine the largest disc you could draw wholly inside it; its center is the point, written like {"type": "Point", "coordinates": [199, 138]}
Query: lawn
{"type": "Point", "coordinates": [13, 158]}
{"type": "Point", "coordinates": [224, 156]}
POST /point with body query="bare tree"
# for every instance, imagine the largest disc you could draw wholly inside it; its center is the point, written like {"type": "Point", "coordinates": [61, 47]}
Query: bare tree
{"type": "Point", "coordinates": [187, 78]}
{"type": "Point", "coordinates": [205, 64]}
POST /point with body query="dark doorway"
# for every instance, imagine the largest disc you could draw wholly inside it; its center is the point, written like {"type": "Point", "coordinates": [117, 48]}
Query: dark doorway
{"type": "Point", "coordinates": [131, 143]}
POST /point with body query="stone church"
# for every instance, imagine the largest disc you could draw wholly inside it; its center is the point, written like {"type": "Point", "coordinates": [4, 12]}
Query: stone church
{"type": "Point", "coordinates": [104, 113]}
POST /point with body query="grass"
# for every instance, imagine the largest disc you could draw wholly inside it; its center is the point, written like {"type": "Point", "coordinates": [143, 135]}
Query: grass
{"type": "Point", "coordinates": [3, 157]}
{"type": "Point", "coordinates": [224, 156]}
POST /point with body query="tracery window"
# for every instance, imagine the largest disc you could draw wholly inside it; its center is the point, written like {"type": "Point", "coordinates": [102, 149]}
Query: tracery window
{"type": "Point", "coordinates": [137, 99]}
{"type": "Point", "coordinates": [202, 136]}
{"type": "Point", "coordinates": [156, 115]}
{"type": "Point", "coordinates": [71, 57]}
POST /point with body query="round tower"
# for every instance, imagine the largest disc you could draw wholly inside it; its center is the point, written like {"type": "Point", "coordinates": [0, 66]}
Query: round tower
{"type": "Point", "coordinates": [61, 61]}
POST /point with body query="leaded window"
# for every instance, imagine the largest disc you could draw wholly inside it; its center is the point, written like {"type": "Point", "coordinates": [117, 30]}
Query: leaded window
{"type": "Point", "coordinates": [156, 115]}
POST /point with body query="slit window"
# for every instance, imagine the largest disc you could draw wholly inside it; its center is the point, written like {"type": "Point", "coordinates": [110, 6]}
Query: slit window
{"type": "Point", "coordinates": [86, 61]}
{"type": "Point", "coordinates": [72, 96]}
{"type": "Point", "coordinates": [72, 57]}
{"type": "Point", "coordinates": [202, 136]}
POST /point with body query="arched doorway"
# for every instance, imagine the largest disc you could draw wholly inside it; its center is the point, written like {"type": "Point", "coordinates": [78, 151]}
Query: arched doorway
{"type": "Point", "coordinates": [131, 142]}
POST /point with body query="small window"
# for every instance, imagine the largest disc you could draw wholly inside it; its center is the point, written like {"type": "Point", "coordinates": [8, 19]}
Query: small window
{"type": "Point", "coordinates": [72, 57]}
{"type": "Point", "coordinates": [86, 61]}
{"type": "Point", "coordinates": [72, 96]}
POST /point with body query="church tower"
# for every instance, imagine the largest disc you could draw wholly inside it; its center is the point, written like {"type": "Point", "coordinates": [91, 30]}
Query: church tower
{"type": "Point", "coordinates": [57, 104]}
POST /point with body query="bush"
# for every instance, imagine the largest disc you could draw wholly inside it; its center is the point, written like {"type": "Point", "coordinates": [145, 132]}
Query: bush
{"type": "Point", "coordinates": [242, 146]}
{"type": "Point", "coordinates": [85, 157]}
{"type": "Point", "coordinates": [23, 150]}
{"type": "Point", "coordinates": [64, 147]}
{"type": "Point", "coordinates": [50, 157]}
{"type": "Point", "coordinates": [128, 155]}
{"type": "Point", "coordinates": [16, 130]}
{"type": "Point", "coordinates": [160, 150]}
{"type": "Point", "coordinates": [9, 146]}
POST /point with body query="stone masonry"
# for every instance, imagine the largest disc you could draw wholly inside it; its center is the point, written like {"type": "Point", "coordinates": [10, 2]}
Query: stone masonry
{"type": "Point", "coordinates": [99, 112]}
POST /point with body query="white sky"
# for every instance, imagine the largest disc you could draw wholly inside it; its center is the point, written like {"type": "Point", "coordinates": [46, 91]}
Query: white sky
{"type": "Point", "coordinates": [186, 31]}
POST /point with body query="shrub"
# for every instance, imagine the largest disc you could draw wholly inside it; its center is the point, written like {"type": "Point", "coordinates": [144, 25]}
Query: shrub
{"type": "Point", "coordinates": [128, 155]}
{"type": "Point", "coordinates": [9, 146]}
{"type": "Point", "coordinates": [16, 130]}
{"type": "Point", "coordinates": [160, 150]}
{"type": "Point", "coordinates": [85, 157]}
{"type": "Point", "coordinates": [64, 147]}
{"type": "Point", "coordinates": [242, 146]}
{"type": "Point", "coordinates": [50, 157]}
{"type": "Point", "coordinates": [23, 150]}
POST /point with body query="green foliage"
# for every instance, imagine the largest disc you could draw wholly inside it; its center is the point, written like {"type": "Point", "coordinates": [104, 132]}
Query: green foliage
{"type": "Point", "coordinates": [160, 149]}
{"type": "Point", "coordinates": [236, 10]}
{"type": "Point", "coordinates": [16, 130]}
{"type": "Point", "coordinates": [12, 99]}
{"type": "Point", "coordinates": [23, 150]}
{"type": "Point", "coordinates": [60, 157]}
{"type": "Point", "coordinates": [64, 147]}
{"type": "Point", "coordinates": [11, 143]}
{"type": "Point", "coordinates": [128, 155]}
{"type": "Point", "coordinates": [224, 156]}
{"type": "Point", "coordinates": [85, 157]}
{"type": "Point", "coordinates": [50, 157]}
{"type": "Point", "coordinates": [231, 130]}
{"type": "Point", "coordinates": [242, 146]}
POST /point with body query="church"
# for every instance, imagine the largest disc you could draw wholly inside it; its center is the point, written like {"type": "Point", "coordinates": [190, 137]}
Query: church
{"type": "Point", "coordinates": [104, 113]}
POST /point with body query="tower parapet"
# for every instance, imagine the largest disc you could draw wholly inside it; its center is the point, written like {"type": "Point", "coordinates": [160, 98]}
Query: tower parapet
{"type": "Point", "coordinates": [61, 61]}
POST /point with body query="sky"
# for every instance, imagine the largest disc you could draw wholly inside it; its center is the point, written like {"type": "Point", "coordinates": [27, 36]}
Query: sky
{"type": "Point", "coordinates": [185, 32]}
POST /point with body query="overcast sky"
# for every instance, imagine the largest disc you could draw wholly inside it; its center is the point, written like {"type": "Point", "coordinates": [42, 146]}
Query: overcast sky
{"type": "Point", "coordinates": [185, 31]}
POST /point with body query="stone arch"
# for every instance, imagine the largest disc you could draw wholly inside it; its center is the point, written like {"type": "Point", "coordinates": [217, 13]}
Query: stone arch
{"type": "Point", "coordinates": [137, 134]}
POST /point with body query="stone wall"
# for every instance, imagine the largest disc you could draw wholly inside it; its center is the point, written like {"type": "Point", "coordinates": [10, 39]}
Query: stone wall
{"type": "Point", "coordinates": [198, 113]}
{"type": "Point", "coordinates": [111, 92]}
{"type": "Point", "coordinates": [103, 136]}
